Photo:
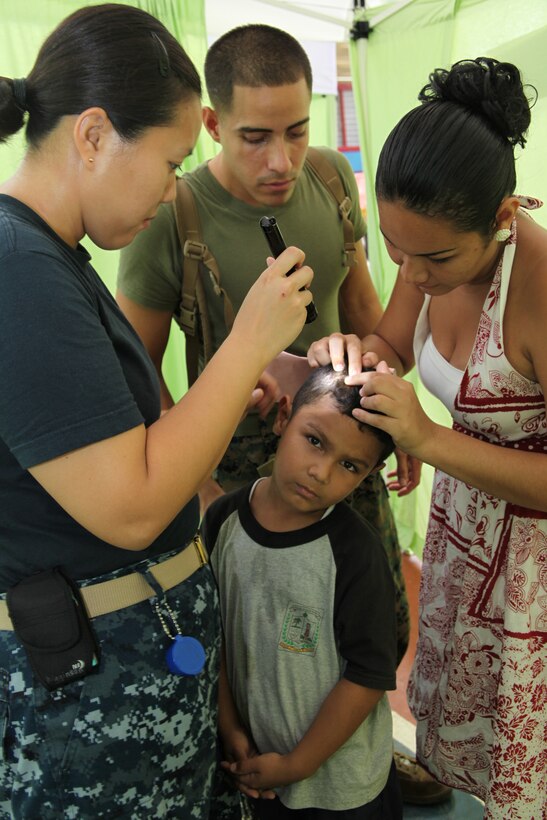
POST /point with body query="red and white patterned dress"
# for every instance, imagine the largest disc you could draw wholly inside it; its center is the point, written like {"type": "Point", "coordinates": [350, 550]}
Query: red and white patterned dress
{"type": "Point", "coordinates": [478, 688]}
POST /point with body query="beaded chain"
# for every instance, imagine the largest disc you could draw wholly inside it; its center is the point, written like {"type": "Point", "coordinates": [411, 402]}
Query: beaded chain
{"type": "Point", "coordinates": [163, 622]}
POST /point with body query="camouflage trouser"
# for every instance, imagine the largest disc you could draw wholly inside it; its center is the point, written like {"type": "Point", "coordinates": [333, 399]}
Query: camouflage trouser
{"type": "Point", "coordinates": [131, 740]}
{"type": "Point", "coordinates": [247, 453]}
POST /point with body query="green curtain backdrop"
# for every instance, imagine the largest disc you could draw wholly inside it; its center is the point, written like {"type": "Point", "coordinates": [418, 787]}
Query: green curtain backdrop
{"type": "Point", "coordinates": [408, 40]}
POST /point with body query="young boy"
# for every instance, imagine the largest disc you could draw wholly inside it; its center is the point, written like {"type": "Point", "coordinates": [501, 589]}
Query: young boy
{"type": "Point", "coordinates": [308, 609]}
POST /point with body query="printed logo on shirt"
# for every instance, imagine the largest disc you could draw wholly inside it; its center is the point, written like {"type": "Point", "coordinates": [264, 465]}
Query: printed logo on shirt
{"type": "Point", "coordinates": [300, 629]}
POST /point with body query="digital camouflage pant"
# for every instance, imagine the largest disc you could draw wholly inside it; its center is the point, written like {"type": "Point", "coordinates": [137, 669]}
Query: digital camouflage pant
{"type": "Point", "coordinates": [131, 740]}
{"type": "Point", "coordinates": [248, 453]}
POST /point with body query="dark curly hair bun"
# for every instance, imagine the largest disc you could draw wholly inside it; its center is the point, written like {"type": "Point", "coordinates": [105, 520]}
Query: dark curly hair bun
{"type": "Point", "coordinates": [488, 88]}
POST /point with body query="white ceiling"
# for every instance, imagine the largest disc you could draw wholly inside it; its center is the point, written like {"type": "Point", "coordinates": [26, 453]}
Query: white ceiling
{"type": "Point", "coordinates": [326, 20]}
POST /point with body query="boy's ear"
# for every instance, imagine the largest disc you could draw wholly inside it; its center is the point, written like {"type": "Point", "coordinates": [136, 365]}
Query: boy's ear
{"type": "Point", "coordinates": [284, 409]}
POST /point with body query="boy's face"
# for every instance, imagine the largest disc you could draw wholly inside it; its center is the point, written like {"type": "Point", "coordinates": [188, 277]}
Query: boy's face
{"type": "Point", "coordinates": [322, 457]}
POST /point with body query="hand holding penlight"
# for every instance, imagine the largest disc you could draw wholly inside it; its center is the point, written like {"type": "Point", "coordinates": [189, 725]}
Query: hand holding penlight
{"type": "Point", "coordinates": [277, 245]}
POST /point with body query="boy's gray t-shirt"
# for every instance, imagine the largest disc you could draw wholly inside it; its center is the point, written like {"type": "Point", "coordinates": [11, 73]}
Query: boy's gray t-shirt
{"type": "Point", "coordinates": [300, 611]}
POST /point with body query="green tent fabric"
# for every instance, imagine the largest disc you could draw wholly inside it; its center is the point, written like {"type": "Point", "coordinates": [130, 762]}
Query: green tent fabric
{"type": "Point", "coordinates": [407, 40]}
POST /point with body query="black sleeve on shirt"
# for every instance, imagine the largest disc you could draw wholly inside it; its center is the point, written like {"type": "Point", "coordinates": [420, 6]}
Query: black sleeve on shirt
{"type": "Point", "coordinates": [217, 513]}
{"type": "Point", "coordinates": [364, 603]}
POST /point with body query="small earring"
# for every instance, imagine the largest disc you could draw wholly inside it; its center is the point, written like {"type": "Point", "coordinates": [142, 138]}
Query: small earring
{"type": "Point", "coordinates": [90, 159]}
{"type": "Point", "coordinates": [502, 235]}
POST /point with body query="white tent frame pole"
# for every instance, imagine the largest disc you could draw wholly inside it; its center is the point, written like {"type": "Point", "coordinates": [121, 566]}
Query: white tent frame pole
{"type": "Point", "coordinates": [317, 15]}
{"type": "Point", "coordinates": [326, 18]}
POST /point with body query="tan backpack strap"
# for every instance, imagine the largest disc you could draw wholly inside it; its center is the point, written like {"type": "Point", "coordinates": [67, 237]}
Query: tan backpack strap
{"type": "Point", "coordinates": [329, 176]}
{"type": "Point", "coordinates": [192, 315]}
{"type": "Point", "coordinates": [187, 220]}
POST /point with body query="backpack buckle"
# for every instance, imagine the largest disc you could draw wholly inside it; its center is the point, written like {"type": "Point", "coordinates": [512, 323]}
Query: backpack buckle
{"type": "Point", "coordinates": [345, 207]}
{"type": "Point", "coordinates": [194, 250]}
{"type": "Point", "coordinates": [187, 318]}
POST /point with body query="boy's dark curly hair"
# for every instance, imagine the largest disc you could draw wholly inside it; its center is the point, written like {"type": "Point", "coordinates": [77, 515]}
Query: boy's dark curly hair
{"type": "Point", "coordinates": [324, 381]}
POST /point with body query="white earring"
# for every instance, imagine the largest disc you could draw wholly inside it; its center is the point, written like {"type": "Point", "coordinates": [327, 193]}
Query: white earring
{"type": "Point", "coordinates": [502, 235]}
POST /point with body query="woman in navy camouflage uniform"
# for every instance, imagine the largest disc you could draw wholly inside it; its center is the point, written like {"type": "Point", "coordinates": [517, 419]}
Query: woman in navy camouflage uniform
{"type": "Point", "coordinates": [92, 481]}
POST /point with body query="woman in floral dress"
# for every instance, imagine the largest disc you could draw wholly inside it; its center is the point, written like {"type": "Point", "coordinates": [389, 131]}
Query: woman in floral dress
{"type": "Point", "coordinates": [469, 308]}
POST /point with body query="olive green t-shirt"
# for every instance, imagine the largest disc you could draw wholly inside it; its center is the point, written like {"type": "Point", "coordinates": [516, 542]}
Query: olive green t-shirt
{"type": "Point", "coordinates": [151, 267]}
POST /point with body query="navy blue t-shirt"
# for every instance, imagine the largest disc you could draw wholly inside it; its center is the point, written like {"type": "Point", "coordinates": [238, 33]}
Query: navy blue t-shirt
{"type": "Point", "coordinates": [72, 372]}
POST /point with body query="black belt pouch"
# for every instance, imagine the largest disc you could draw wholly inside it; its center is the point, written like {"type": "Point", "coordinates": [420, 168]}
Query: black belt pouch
{"type": "Point", "coordinates": [50, 620]}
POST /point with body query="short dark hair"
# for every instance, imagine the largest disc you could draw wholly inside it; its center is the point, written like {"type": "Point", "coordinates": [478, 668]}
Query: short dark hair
{"type": "Point", "coordinates": [452, 156]}
{"type": "Point", "coordinates": [253, 56]}
{"type": "Point", "coordinates": [324, 381]}
{"type": "Point", "coordinates": [117, 57]}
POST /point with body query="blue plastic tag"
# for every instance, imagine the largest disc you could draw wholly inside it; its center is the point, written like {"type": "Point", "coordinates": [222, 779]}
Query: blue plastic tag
{"type": "Point", "coordinates": [185, 656]}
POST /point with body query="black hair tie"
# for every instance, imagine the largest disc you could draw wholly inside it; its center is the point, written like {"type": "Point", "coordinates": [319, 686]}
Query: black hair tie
{"type": "Point", "coordinates": [20, 93]}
